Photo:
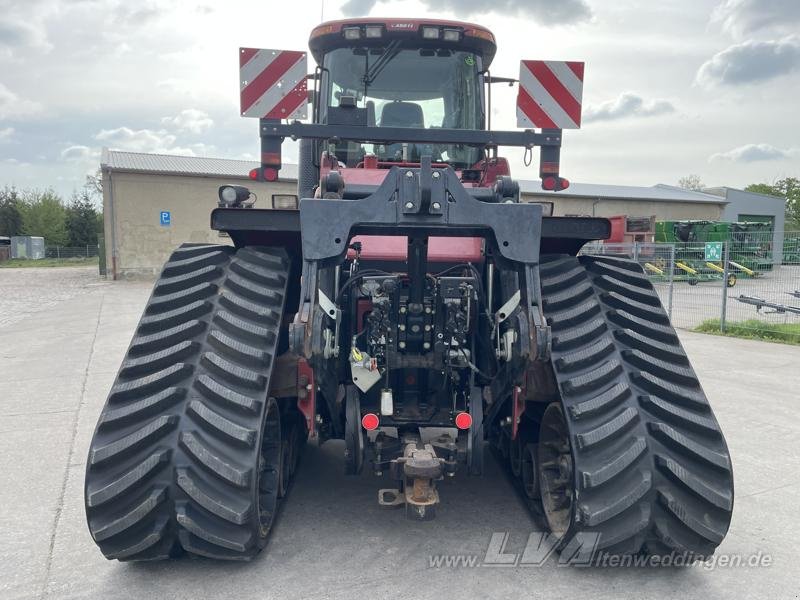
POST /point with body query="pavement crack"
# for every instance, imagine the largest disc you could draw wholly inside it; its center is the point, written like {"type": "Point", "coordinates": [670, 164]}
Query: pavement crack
{"type": "Point", "coordinates": [68, 462]}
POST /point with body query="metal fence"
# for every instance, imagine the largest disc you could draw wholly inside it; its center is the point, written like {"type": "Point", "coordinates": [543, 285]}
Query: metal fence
{"type": "Point", "coordinates": [748, 284]}
{"type": "Point", "coordinates": [59, 252]}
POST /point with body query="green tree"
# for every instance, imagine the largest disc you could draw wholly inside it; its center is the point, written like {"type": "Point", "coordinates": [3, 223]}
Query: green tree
{"type": "Point", "coordinates": [10, 212]}
{"type": "Point", "coordinates": [44, 215]}
{"type": "Point", "coordinates": [93, 186]}
{"type": "Point", "coordinates": [789, 188]}
{"type": "Point", "coordinates": [81, 220]}
{"type": "Point", "coordinates": [691, 182]}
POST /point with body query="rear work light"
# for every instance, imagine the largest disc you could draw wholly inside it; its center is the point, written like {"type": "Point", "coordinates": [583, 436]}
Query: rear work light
{"type": "Point", "coordinates": [374, 31]}
{"type": "Point", "coordinates": [463, 420]}
{"type": "Point", "coordinates": [370, 421]}
{"type": "Point", "coordinates": [430, 33]}
{"type": "Point", "coordinates": [351, 33]}
{"type": "Point", "coordinates": [284, 201]}
{"type": "Point", "coordinates": [451, 35]}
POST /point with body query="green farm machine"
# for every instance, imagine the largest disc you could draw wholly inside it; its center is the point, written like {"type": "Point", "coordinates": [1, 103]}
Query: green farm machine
{"type": "Point", "coordinates": [699, 249]}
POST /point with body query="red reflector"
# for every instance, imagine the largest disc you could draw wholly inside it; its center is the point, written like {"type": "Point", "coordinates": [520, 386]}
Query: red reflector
{"type": "Point", "coordinates": [463, 420]}
{"type": "Point", "coordinates": [564, 183]}
{"type": "Point", "coordinates": [370, 421]}
{"type": "Point", "coordinates": [271, 174]}
{"type": "Point", "coordinates": [254, 174]}
{"type": "Point", "coordinates": [549, 183]}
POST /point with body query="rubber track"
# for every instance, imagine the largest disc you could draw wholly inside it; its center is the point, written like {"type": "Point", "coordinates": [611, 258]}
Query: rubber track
{"type": "Point", "coordinates": [652, 471]}
{"type": "Point", "coordinates": [173, 463]}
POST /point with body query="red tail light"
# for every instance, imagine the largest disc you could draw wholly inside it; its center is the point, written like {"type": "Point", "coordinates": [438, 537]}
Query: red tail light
{"type": "Point", "coordinates": [253, 174]}
{"type": "Point", "coordinates": [549, 183]}
{"type": "Point", "coordinates": [370, 421]}
{"type": "Point", "coordinates": [271, 174]}
{"type": "Point", "coordinates": [463, 420]}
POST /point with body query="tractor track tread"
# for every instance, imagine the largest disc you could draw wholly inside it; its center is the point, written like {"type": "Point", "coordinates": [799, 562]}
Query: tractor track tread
{"type": "Point", "coordinates": [152, 382]}
{"type": "Point", "coordinates": [679, 416]}
{"type": "Point", "coordinates": [568, 298]}
{"type": "Point", "coordinates": [640, 294]}
{"type": "Point", "coordinates": [580, 335]}
{"type": "Point", "coordinates": [237, 349]}
{"type": "Point", "coordinates": [651, 465]}
{"type": "Point", "coordinates": [560, 279]}
{"type": "Point", "coordinates": [608, 430]}
{"type": "Point", "coordinates": [237, 513]}
{"type": "Point", "coordinates": [614, 271]}
{"type": "Point", "coordinates": [250, 310]}
{"type": "Point", "coordinates": [668, 352]}
{"type": "Point", "coordinates": [192, 263]}
{"type": "Point", "coordinates": [155, 361]}
{"type": "Point", "coordinates": [222, 425]}
{"type": "Point", "coordinates": [130, 478]}
{"type": "Point", "coordinates": [170, 302]}
{"type": "Point", "coordinates": [663, 333]}
{"type": "Point", "coordinates": [163, 339]}
{"type": "Point", "coordinates": [687, 445]}
{"type": "Point", "coordinates": [604, 401]}
{"type": "Point", "coordinates": [586, 356]}
{"type": "Point", "coordinates": [592, 380]}
{"type": "Point", "coordinates": [634, 307]}
{"type": "Point", "coordinates": [712, 534]}
{"type": "Point", "coordinates": [624, 501]}
{"type": "Point", "coordinates": [145, 407]}
{"type": "Point", "coordinates": [132, 517]}
{"type": "Point", "coordinates": [677, 394]}
{"type": "Point", "coordinates": [660, 368]}
{"type": "Point", "coordinates": [178, 282]}
{"type": "Point", "coordinates": [569, 317]}
{"type": "Point", "coordinates": [232, 372]}
{"type": "Point", "coordinates": [165, 320]}
{"type": "Point", "coordinates": [237, 326]}
{"type": "Point", "coordinates": [173, 464]}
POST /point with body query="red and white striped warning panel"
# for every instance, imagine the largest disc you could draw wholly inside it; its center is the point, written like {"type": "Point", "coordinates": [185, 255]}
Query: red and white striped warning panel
{"type": "Point", "coordinates": [272, 83]}
{"type": "Point", "coordinates": [550, 94]}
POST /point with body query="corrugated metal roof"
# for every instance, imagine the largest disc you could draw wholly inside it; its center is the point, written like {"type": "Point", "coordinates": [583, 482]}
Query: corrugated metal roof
{"type": "Point", "coordinates": [226, 167]}
{"type": "Point", "coordinates": [658, 193]}
{"type": "Point", "coordinates": [184, 165]}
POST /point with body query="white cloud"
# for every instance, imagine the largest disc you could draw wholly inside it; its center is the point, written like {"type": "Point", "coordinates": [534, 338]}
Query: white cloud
{"type": "Point", "coordinates": [561, 12]}
{"type": "Point", "coordinates": [16, 163]}
{"type": "Point", "coordinates": [627, 104]}
{"type": "Point", "coordinates": [18, 35]}
{"type": "Point", "coordinates": [750, 62]}
{"type": "Point", "coordinates": [147, 140]}
{"type": "Point", "coordinates": [80, 153]}
{"type": "Point", "coordinates": [745, 17]}
{"type": "Point", "coordinates": [13, 107]}
{"type": "Point", "coordinates": [754, 152]}
{"type": "Point", "coordinates": [5, 134]}
{"type": "Point", "coordinates": [191, 120]}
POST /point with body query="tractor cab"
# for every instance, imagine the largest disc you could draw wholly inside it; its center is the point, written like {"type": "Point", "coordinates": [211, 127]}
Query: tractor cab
{"type": "Point", "coordinates": [402, 74]}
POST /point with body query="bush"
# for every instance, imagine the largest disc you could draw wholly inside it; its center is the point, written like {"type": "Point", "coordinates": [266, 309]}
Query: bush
{"type": "Point", "coordinates": [787, 333]}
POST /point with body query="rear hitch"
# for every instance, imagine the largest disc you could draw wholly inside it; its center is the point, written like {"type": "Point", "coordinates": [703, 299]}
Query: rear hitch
{"type": "Point", "coordinates": [417, 470]}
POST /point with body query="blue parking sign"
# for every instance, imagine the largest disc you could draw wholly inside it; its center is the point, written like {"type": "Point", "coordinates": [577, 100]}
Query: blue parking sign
{"type": "Point", "coordinates": [166, 219]}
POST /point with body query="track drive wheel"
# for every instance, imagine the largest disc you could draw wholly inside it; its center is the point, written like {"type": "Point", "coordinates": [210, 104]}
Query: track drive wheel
{"type": "Point", "coordinates": [632, 451]}
{"type": "Point", "coordinates": [187, 454]}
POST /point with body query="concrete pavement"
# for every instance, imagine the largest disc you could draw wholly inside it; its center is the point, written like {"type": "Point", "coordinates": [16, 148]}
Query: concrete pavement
{"type": "Point", "coordinates": [58, 361]}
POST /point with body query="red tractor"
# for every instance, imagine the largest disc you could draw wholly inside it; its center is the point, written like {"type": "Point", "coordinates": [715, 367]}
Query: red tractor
{"type": "Point", "coordinates": [415, 308]}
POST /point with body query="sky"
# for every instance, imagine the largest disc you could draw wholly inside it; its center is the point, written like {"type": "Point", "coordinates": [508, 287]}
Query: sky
{"type": "Point", "coordinates": [676, 87]}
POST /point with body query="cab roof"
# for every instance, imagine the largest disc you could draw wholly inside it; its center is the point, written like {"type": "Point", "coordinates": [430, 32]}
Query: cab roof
{"type": "Point", "coordinates": [329, 35]}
